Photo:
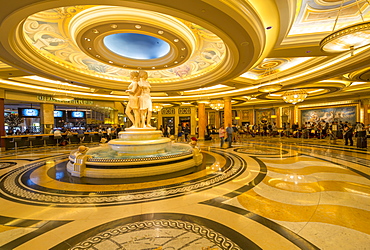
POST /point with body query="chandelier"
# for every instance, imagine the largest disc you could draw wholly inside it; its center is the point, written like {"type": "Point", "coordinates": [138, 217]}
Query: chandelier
{"type": "Point", "coordinates": [217, 104]}
{"type": "Point", "coordinates": [157, 107]}
{"type": "Point", "coordinates": [295, 96]}
{"type": "Point", "coordinates": [270, 88]}
{"type": "Point", "coordinates": [349, 38]}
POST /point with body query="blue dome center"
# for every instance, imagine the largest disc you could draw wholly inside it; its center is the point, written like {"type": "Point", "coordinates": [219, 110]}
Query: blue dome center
{"type": "Point", "coordinates": [136, 46]}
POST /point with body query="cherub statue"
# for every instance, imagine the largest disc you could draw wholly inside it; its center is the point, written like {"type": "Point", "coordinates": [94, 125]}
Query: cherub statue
{"type": "Point", "coordinates": [133, 104]}
{"type": "Point", "coordinates": [145, 100]}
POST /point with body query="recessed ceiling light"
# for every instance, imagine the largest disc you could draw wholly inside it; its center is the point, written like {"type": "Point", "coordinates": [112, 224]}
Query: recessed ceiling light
{"type": "Point", "coordinates": [95, 31]}
{"type": "Point", "coordinates": [160, 32]}
{"type": "Point", "coordinates": [114, 26]}
{"type": "Point", "coordinates": [165, 66]}
{"type": "Point", "coordinates": [138, 67]}
{"type": "Point", "coordinates": [182, 56]}
{"type": "Point", "coordinates": [183, 49]}
{"type": "Point", "coordinates": [176, 40]}
{"type": "Point", "coordinates": [110, 61]}
{"type": "Point", "coordinates": [153, 67]}
{"type": "Point", "coordinates": [97, 56]}
{"type": "Point", "coordinates": [89, 48]}
{"type": "Point", "coordinates": [124, 65]}
{"type": "Point", "coordinates": [175, 62]}
{"type": "Point", "coordinates": [137, 26]}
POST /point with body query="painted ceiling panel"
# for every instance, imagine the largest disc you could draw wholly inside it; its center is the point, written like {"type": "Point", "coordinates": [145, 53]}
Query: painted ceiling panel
{"type": "Point", "coordinates": [319, 16]}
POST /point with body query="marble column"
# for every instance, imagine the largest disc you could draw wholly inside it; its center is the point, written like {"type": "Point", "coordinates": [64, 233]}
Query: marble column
{"type": "Point", "coordinates": [366, 106]}
{"type": "Point", "coordinates": [2, 127]}
{"type": "Point", "coordinates": [202, 120]}
{"type": "Point", "coordinates": [296, 115]}
{"type": "Point", "coordinates": [227, 112]}
{"type": "Point", "coordinates": [177, 120]}
{"type": "Point", "coordinates": [114, 116]}
{"type": "Point", "coordinates": [159, 119]}
{"type": "Point", "coordinates": [217, 119]}
{"type": "Point", "coordinates": [193, 121]}
{"type": "Point", "coordinates": [47, 117]}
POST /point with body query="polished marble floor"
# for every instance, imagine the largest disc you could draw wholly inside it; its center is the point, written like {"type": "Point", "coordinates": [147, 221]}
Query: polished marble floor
{"type": "Point", "coordinates": [263, 193]}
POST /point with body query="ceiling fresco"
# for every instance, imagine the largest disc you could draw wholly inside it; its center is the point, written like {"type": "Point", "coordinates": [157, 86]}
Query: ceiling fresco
{"type": "Point", "coordinates": [49, 35]}
{"type": "Point", "coordinates": [319, 16]}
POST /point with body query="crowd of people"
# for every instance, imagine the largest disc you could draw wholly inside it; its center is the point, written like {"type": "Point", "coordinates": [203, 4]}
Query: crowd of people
{"type": "Point", "coordinates": [334, 130]}
{"type": "Point", "coordinates": [234, 133]}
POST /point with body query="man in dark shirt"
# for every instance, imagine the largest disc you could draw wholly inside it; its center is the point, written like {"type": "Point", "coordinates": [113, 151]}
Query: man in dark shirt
{"type": "Point", "coordinates": [229, 132]}
{"type": "Point", "coordinates": [348, 134]}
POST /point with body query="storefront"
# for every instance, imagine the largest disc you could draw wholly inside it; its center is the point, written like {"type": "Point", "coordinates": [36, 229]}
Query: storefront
{"type": "Point", "coordinates": [42, 114]}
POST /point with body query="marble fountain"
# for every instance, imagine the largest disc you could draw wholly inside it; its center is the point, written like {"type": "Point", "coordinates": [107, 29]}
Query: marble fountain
{"type": "Point", "coordinates": [140, 151]}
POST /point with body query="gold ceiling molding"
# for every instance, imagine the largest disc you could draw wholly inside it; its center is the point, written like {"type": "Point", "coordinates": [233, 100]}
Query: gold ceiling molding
{"type": "Point", "coordinates": [241, 28]}
{"type": "Point", "coordinates": [4, 66]}
{"type": "Point", "coordinates": [360, 75]}
{"type": "Point", "coordinates": [88, 28]}
{"type": "Point", "coordinates": [311, 91]}
{"type": "Point", "coordinates": [65, 41]}
{"type": "Point", "coordinates": [340, 103]}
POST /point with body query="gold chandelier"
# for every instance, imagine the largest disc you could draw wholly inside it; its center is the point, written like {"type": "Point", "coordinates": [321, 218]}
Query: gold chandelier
{"type": "Point", "coordinates": [217, 104]}
{"type": "Point", "coordinates": [348, 38]}
{"type": "Point", "coordinates": [270, 88]}
{"type": "Point", "coordinates": [295, 96]}
{"type": "Point", "coordinates": [157, 107]}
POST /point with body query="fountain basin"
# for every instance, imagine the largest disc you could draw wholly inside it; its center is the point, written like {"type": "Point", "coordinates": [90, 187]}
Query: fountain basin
{"type": "Point", "coordinates": [139, 152]}
{"type": "Point", "coordinates": [104, 162]}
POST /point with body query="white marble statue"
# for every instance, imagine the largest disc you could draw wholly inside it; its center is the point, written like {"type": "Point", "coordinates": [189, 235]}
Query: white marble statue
{"type": "Point", "coordinates": [134, 91]}
{"type": "Point", "coordinates": [145, 100]}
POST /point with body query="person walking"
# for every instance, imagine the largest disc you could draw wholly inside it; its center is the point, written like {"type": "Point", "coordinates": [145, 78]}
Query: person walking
{"type": "Point", "coordinates": [221, 134]}
{"type": "Point", "coordinates": [179, 133]}
{"type": "Point", "coordinates": [229, 131]}
{"type": "Point", "coordinates": [348, 134]}
{"type": "Point", "coordinates": [168, 131]}
{"type": "Point", "coordinates": [186, 132]}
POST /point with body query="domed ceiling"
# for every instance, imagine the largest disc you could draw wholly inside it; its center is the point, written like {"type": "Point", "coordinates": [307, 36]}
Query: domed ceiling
{"type": "Point", "coordinates": [190, 49]}
{"type": "Point", "coordinates": [120, 40]}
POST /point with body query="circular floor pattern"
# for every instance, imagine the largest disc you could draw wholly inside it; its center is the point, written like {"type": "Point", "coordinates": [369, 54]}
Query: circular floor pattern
{"type": "Point", "coordinates": [160, 231]}
{"type": "Point", "coordinates": [7, 164]}
{"type": "Point", "coordinates": [261, 151]}
{"type": "Point", "coordinates": [19, 186]}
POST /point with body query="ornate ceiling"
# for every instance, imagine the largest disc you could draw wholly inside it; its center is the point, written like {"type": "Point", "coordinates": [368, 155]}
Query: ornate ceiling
{"type": "Point", "coordinates": [213, 48]}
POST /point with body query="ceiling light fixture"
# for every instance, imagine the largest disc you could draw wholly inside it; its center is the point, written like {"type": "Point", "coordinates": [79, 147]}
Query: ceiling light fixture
{"type": "Point", "coordinates": [295, 96]}
{"type": "Point", "coordinates": [157, 107]}
{"type": "Point", "coordinates": [217, 104]}
{"type": "Point", "coordinates": [348, 38]}
{"type": "Point", "coordinates": [270, 88]}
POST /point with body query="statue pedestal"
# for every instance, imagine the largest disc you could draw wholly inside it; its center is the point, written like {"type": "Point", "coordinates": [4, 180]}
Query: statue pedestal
{"type": "Point", "coordinates": [140, 141]}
